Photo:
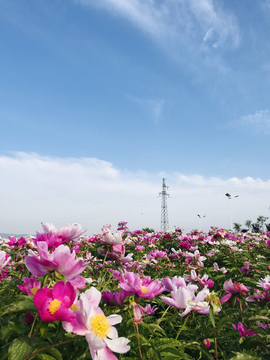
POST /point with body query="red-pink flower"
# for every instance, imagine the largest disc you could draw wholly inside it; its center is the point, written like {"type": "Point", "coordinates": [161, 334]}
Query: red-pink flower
{"type": "Point", "coordinates": [54, 304]}
{"type": "Point", "coordinates": [233, 288]}
{"type": "Point", "coordinates": [243, 330]}
{"type": "Point", "coordinates": [30, 285]}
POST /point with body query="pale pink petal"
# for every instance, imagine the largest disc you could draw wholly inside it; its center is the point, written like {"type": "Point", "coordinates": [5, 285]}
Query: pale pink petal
{"type": "Point", "coordinates": [118, 345]}
{"type": "Point", "coordinates": [114, 319]}
{"type": "Point", "coordinates": [94, 342]}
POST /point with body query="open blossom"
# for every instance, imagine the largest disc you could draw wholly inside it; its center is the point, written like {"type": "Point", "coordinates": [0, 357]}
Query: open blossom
{"type": "Point", "coordinates": [265, 283]}
{"type": "Point", "coordinates": [54, 304]}
{"type": "Point", "coordinates": [195, 258]}
{"type": "Point", "coordinates": [233, 288]}
{"type": "Point", "coordinates": [216, 268]}
{"type": "Point", "coordinates": [110, 239]}
{"type": "Point", "coordinates": [115, 298]}
{"type": "Point", "coordinates": [90, 321]}
{"type": "Point", "coordinates": [30, 286]}
{"type": "Point", "coordinates": [68, 232]}
{"type": "Point", "coordinates": [145, 288]}
{"type": "Point", "coordinates": [168, 283]}
{"type": "Point", "coordinates": [4, 259]}
{"type": "Point", "coordinates": [243, 330]}
{"type": "Point", "coordinates": [60, 260]}
{"type": "Point", "coordinates": [204, 281]}
{"type": "Point", "coordinates": [184, 298]}
{"type": "Point", "coordinates": [53, 240]}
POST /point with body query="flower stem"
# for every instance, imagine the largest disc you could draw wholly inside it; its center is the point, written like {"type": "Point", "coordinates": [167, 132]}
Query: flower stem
{"type": "Point", "coordinates": [182, 327]}
{"type": "Point", "coordinates": [215, 337]}
{"type": "Point", "coordinates": [138, 338]}
{"type": "Point", "coordinates": [159, 321]}
{"type": "Point", "coordinates": [50, 346]}
{"type": "Point", "coordinates": [32, 327]}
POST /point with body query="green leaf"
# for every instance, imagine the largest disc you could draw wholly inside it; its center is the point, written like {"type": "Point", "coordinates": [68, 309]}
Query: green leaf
{"type": "Point", "coordinates": [43, 328]}
{"type": "Point", "coordinates": [211, 315]}
{"type": "Point", "coordinates": [44, 357]}
{"type": "Point", "coordinates": [171, 350]}
{"type": "Point", "coordinates": [241, 356]}
{"type": "Point", "coordinates": [25, 305]}
{"type": "Point", "coordinates": [20, 348]}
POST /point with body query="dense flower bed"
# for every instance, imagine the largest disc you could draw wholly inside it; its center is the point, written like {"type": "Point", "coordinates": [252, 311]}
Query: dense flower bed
{"type": "Point", "coordinates": [135, 295]}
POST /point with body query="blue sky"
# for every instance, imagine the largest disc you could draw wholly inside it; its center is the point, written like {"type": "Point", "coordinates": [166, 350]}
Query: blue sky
{"type": "Point", "coordinates": [102, 99]}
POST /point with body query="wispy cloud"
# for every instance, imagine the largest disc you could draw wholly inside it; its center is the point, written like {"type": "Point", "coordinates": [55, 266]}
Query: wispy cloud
{"type": "Point", "coordinates": [259, 122]}
{"type": "Point", "coordinates": [154, 107]}
{"type": "Point", "coordinates": [196, 25]}
{"type": "Point", "coordinates": [93, 192]}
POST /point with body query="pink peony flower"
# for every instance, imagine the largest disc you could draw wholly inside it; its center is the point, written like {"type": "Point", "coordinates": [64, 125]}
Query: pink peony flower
{"type": "Point", "coordinates": [54, 304]}
{"type": "Point", "coordinates": [98, 329]}
{"type": "Point", "coordinates": [233, 288]}
{"type": "Point", "coordinates": [109, 238]}
{"type": "Point", "coordinates": [60, 260]}
{"type": "Point", "coordinates": [184, 298]}
{"type": "Point", "coordinates": [4, 259]}
{"type": "Point", "coordinates": [68, 232]}
{"type": "Point", "coordinates": [145, 288]}
{"type": "Point", "coordinates": [243, 330]}
{"type": "Point", "coordinates": [30, 286]}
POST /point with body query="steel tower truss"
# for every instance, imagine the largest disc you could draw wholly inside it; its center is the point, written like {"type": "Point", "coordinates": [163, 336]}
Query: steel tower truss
{"type": "Point", "coordinates": [164, 210]}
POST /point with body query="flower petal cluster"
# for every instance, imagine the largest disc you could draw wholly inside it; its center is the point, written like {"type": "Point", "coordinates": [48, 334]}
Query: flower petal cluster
{"type": "Point", "coordinates": [4, 259]}
{"type": "Point", "coordinates": [145, 288]}
{"type": "Point", "coordinates": [233, 288]}
{"type": "Point", "coordinates": [30, 285]}
{"type": "Point", "coordinates": [243, 330]}
{"type": "Point", "coordinates": [90, 321]}
{"type": "Point", "coordinates": [185, 298]}
{"type": "Point", "coordinates": [68, 232]}
{"type": "Point", "coordinates": [60, 260]}
{"type": "Point", "coordinates": [54, 304]}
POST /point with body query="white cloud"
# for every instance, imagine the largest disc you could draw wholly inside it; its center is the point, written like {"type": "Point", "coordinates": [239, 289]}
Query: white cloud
{"type": "Point", "coordinates": [259, 122]}
{"type": "Point", "coordinates": [192, 24]}
{"type": "Point", "coordinates": [93, 192]}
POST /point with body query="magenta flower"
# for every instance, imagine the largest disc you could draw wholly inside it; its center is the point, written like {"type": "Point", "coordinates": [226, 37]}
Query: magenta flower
{"type": "Point", "coordinates": [29, 318]}
{"type": "Point", "coordinates": [53, 240]}
{"type": "Point", "coordinates": [54, 304]}
{"type": "Point", "coordinates": [233, 288]}
{"type": "Point", "coordinates": [243, 330]}
{"type": "Point", "coordinates": [207, 343]}
{"type": "Point", "coordinates": [149, 310]}
{"type": "Point", "coordinates": [145, 288]}
{"type": "Point", "coordinates": [30, 286]}
{"type": "Point", "coordinates": [98, 329]}
{"type": "Point", "coordinates": [115, 298]}
{"type": "Point", "coordinates": [60, 260]}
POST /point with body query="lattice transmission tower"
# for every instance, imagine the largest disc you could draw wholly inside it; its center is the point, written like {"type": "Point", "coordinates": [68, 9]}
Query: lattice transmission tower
{"type": "Point", "coordinates": [164, 210]}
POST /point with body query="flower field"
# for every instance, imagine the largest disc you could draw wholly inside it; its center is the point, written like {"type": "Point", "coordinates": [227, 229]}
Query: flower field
{"type": "Point", "coordinates": [135, 295]}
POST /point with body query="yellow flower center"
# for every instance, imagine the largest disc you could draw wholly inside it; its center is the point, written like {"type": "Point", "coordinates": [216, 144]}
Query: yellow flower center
{"type": "Point", "coordinates": [100, 325]}
{"type": "Point", "coordinates": [144, 289]}
{"type": "Point", "coordinates": [34, 290]}
{"type": "Point", "coordinates": [54, 306]}
{"type": "Point", "coordinates": [74, 307]}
